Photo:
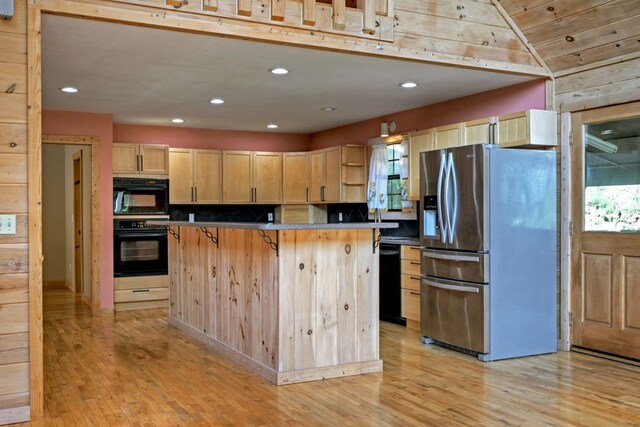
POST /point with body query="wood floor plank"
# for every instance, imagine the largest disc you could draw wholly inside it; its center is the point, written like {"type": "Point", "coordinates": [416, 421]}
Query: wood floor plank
{"type": "Point", "coordinates": [133, 369]}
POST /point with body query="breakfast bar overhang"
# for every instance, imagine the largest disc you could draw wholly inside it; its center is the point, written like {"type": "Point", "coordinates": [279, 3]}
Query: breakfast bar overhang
{"type": "Point", "coordinates": [291, 302]}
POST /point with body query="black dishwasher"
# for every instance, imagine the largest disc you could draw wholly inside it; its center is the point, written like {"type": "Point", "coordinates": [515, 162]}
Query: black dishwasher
{"type": "Point", "coordinates": [390, 293]}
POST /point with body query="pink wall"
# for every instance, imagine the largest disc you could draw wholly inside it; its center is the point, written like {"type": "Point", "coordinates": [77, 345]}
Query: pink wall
{"type": "Point", "coordinates": [500, 101]}
{"type": "Point", "coordinates": [100, 125]}
{"type": "Point", "coordinates": [210, 138]}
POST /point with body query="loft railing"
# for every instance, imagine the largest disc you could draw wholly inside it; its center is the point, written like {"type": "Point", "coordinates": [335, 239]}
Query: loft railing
{"type": "Point", "coordinates": [371, 19]}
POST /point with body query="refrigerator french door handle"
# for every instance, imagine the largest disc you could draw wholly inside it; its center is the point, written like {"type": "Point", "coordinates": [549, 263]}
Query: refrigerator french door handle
{"type": "Point", "coordinates": [447, 197]}
{"type": "Point", "coordinates": [443, 230]}
{"type": "Point", "coordinates": [453, 216]}
{"type": "Point", "coordinates": [451, 287]}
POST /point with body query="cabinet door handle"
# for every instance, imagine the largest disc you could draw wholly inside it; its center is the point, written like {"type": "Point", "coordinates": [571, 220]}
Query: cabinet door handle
{"type": "Point", "coordinates": [255, 194]}
{"type": "Point", "coordinates": [141, 163]}
{"type": "Point", "coordinates": [414, 293]}
{"type": "Point", "coordinates": [307, 194]}
{"type": "Point", "coordinates": [414, 278]}
{"type": "Point", "coordinates": [191, 194]}
{"type": "Point", "coordinates": [195, 197]}
{"type": "Point", "coordinates": [322, 193]}
{"type": "Point", "coordinates": [137, 162]}
{"type": "Point", "coordinates": [414, 263]}
{"type": "Point", "coordinates": [140, 290]}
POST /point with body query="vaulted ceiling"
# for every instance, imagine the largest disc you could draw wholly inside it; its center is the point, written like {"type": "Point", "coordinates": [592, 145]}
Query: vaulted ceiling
{"type": "Point", "coordinates": [571, 34]}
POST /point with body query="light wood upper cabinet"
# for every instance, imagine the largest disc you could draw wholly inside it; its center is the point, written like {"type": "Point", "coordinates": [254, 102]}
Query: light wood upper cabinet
{"type": "Point", "coordinates": [207, 176]}
{"type": "Point", "coordinates": [448, 136]}
{"type": "Point", "coordinates": [419, 141]}
{"type": "Point", "coordinates": [251, 177]}
{"type": "Point", "coordinates": [316, 165]}
{"type": "Point", "coordinates": [295, 178]}
{"type": "Point", "coordinates": [332, 179]}
{"type": "Point", "coordinates": [354, 173]}
{"type": "Point", "coordinates": [236, 177]}
{"type": "Point", "coordinates": [194, 176]}
{"type": "Point", "coordinates": [150, 159]}
{"type": "Point", "coordinates": [126, 158]}
{"type": "Point", "coordinates": [479, 131]}
{"type": "Point", "coordinates": [338, 174]}
{"type": "Point", "coordinates": [528, 128]}
{"type": "Point", "coordinates": [267, 178]}
{"type": "Point", "coordinates": [180, 176]}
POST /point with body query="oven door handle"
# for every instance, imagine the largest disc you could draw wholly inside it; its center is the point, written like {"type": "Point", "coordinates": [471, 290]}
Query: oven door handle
{"type": "Point", "coordinates": [118, 234]}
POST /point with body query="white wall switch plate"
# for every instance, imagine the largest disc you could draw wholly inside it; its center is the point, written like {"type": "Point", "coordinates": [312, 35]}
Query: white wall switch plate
{"type": "Point", "coordinates": [7, 224]}
{"type": "Point", "coordinates": [340, 217]}
{"type": "Point", "coordinates": [269, 216]}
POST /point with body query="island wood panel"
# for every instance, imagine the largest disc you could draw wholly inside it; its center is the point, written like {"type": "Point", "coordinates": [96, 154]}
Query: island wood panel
{"type": "Point", "coordinates": [304, 301]}
{"type": "Point", "coordinates": [347, 272]}
{"type": "Point", "coordinates": [174, 264]}
{"type": "Point", "coordinates": [326, 327]}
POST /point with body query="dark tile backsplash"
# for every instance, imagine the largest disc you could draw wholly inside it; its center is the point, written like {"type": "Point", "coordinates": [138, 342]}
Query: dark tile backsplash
{"type": "Point", "coordinates": [229, 213]}
{"type": "Point", "coordinates": [351, 212]}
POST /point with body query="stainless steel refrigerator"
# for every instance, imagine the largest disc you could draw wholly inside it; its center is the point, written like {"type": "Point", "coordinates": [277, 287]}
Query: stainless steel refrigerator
{"type": "Point", "coordinates": [489, 251]}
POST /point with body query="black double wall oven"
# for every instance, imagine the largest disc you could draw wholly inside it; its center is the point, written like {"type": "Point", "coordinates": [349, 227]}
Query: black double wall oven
{"type": "Point", "coordinates": [140, 249]}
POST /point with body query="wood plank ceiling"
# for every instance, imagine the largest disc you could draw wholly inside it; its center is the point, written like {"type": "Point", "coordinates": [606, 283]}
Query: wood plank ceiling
{"type": "Point", "coordinates": [571, 35]}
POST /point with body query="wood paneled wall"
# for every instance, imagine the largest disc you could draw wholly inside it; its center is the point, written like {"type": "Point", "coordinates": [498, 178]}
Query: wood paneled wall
{"type": "Point", "coordinates": [14, 254]}
{"type": "Point", "coordinates": [467, 33]}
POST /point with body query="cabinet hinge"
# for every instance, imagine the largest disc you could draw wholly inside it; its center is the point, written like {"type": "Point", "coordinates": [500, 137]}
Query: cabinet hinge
{"type": "Point", "coordinates": [570, 319]}
{"type": "Point", "coordinates": [570, 137]}
{"type": "Point", "coordinates": [570, 228]}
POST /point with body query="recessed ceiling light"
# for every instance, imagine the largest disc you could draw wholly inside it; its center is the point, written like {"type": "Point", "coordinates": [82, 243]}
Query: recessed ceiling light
{"type": "Point", "coordinates": [279, 71]}
{"type": "Point", "coordinates": [177, 120]}
{"type": "Point", "coordinates": [328, 108]}
{"type": "Point", "coordinates": [217, 101]}
{"type": "Point", "coordinates": [69, 89]}
{"type": "Point", "coordinates": [408, 84]}
{"type": "Point", "coordinates": [272, 126]}
{"type": "Point", "coordinates": [606, 132]}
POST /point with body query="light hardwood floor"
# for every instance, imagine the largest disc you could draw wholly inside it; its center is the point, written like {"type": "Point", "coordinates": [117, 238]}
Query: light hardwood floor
{"type": "Point", "coordinates": [133, 369]}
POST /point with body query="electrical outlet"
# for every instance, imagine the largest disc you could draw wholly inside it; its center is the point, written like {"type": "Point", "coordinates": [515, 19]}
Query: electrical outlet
{"type": "Point", "coordinates": [7, 224]}
{"type": "Point", "coordinates": [340, 217]}
{"type": "Point", "coordinates": [270, 216]}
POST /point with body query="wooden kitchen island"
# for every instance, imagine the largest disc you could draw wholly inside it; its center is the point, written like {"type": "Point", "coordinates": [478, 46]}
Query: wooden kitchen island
{"type": "Point", "coordinates": [292, 302]}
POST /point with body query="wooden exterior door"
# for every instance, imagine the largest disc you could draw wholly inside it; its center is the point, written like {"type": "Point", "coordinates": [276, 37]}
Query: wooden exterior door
{"type": "Point", "coordinates": [605, 245]}
{"type": "Point", "coordinates": [77, 221]}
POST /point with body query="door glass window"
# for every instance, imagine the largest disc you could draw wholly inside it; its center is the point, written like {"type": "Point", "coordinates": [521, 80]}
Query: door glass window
{"type": "Point", "coordinates": [612, 176]}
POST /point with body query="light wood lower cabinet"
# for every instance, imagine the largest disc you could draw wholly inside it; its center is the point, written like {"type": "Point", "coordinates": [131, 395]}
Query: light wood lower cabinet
{"type": "Point", "coordinates": [410, 284]}
{"type": "Point", "coordinates": [132, 293]}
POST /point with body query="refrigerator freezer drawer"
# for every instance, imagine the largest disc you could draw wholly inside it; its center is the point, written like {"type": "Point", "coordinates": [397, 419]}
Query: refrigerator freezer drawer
{"type": "Point", "coordinates": [455, 313]}
{"type": "Point", "coordinates": [464, 266]}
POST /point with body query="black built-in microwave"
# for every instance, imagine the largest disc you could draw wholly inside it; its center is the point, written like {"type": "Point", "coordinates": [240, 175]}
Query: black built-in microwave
{"type": "Point", "coordinates": [140, 196]}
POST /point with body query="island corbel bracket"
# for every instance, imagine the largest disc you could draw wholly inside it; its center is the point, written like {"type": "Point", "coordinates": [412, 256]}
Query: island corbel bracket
{"type": "Point", "coordinates": [214, 239]}
{"type": "Point", "coordinates": [376, 240]}
{"type": "Point", "coordinates": [267, 239]}
{"type": "Point", "coordinates": [173, 233]}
